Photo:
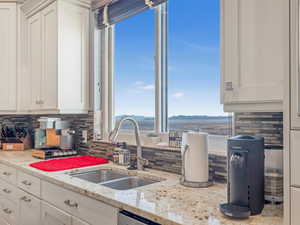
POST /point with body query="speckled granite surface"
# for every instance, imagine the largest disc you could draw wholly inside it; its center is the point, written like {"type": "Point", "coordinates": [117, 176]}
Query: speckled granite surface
{"type": "Point", "coordinates": [166, 202]}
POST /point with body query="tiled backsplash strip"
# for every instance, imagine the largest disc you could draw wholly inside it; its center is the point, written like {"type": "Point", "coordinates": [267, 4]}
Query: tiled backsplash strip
{"type": "Point", "coordinates": [269, 125]}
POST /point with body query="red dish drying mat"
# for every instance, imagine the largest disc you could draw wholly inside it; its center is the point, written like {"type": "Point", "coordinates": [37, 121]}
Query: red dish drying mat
{"type": "Point", "coordinates": [68, 163]}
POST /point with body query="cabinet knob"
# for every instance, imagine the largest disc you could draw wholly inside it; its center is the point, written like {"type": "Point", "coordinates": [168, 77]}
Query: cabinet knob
{"type": "Point", "coordinates": [6, 173]}
{"type": "Point", "coordinates": [7, 211]}
{"type": "Point", "coordinates": [26, 182]}
{"type": "Point", "coordinates": [26, 199]}
{"type": "Point", "coordinates": [6, 191]}
{"type": "Point", "coordinates": [229, 86]}
{"type": "Point", "coordinates": [70, 204]}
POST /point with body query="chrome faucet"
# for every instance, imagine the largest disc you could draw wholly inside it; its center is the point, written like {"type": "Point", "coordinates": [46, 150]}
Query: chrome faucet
{"type": "Point", "coordinates": [141, 162]}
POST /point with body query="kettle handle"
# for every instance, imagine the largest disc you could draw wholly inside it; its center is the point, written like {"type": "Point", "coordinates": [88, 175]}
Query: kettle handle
{"type": "Point", "coordinates": [186, 149]}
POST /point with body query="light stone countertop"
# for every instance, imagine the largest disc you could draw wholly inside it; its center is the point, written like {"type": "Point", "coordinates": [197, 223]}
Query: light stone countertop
{"type": "Point", "coordinates": [166, 202]}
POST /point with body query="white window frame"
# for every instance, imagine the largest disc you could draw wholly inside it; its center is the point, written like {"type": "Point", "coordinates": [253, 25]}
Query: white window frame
{"type": "Point", "coordinates": [104, 89]}
{"type": "Point", "coordinates": [104, 84]}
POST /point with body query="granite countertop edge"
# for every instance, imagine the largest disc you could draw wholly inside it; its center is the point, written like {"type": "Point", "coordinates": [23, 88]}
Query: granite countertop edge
{"type": "Point", "coordinates": [167, 191]}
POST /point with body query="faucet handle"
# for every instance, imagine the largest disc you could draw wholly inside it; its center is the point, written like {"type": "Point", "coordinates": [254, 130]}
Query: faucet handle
{"type": "Point", "coordinates": [144, 162]}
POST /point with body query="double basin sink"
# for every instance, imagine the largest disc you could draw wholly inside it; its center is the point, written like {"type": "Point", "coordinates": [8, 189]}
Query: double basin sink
{"type": "Point", "coordinates": [113, 179]}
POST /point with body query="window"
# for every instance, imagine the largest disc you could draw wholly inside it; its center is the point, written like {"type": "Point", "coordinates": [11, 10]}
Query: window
{"type": "Point", "coordinates": [164, 70]}
{"type": "Point", "coordinates": [134, 83]}
{"type": "Point", "coordinates": [194, 68]}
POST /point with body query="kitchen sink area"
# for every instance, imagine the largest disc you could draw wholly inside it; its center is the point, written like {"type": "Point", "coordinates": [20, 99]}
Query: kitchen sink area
{"type": "Point", "coordinates": [129, 183]}
{"type": "Point", "coordinates": [98, 176]}
{"type": "Point", "coordinates": [113, 179]}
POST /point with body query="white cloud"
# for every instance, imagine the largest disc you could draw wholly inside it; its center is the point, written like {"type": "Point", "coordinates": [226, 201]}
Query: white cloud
{"type": "Point", "coordinates": [178, 95]}
{"type": "Point", "coordinates": [148, 87]}
{"type": "Point", "coordinates": [204, 48]}
{"type": "Point", "coordinates": [140, 85]}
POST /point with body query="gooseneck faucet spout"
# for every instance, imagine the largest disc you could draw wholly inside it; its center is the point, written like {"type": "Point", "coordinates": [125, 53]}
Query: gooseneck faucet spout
{"type": "Point", "coordinates": [141, 162]}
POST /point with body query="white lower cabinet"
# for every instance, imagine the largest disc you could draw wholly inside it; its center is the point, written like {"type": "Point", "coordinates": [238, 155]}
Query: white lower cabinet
{"type": "Point", "coordinates": [8, 211]}
{"type": "Point", "coordinates": [36, 202]}
{"type": "Point", "coordinates": [29, 209]}
{"type": "Point", "coordinates": [54, 216]}
{"type": "Point", "coordinates": [76, 221]}
{"type": "Point", "coordinates": [83, 207]}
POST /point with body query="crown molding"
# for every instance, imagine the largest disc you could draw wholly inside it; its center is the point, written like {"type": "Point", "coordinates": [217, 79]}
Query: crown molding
{"type": "Point", "coordinates": [30, 7]}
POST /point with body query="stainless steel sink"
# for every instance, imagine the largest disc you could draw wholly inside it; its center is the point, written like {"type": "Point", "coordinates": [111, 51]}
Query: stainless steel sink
{"type": "Point", "coordinates": [113, 179]}
{"type": "Point", "coordinates": [129, 183]}
{"type": "Point", "coordinates": [99, 176]}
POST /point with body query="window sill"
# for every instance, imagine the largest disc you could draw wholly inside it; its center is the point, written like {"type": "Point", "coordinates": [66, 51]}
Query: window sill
{"type": "Point", "coordinates": [217, 144]}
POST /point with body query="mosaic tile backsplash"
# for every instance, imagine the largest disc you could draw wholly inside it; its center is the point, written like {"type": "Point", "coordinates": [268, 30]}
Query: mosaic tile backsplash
{"type": "Point", "coordinates": [268, 125]}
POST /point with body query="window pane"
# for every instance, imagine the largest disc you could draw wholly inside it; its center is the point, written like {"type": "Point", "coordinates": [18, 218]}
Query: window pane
{"type": "Point", "coordinates": [194, 68]}
{"type": "Point", "coordinates": [135, 70]}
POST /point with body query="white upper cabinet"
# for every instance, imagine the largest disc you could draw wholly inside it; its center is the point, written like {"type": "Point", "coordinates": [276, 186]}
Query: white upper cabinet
{"type": "Point", "coordinates": [295, 63]}
{"type": "Point", "coordinates": [255, 54]}
{"type": "Point", "coordinates": [57, 56]}
{"type": "Point", "coordinates": [8, 57]}
{"type": "Point", "coordinates": [34, 60]}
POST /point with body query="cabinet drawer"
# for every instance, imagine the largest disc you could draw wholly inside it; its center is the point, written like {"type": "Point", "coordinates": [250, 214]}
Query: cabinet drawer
{"type": "Point", "coordinates": [8, 191]}
{"type": "Point", "coordinates": [8, 174]}
{"type": "Point", "coordinates": [29, 209]}
{"type": "Point", "coordinates": [295, 204]}
{"type": "Point", "coordinates": [8, 211]}
{"type": "Point", "coordinates": [29, 183]}
{"type": "Point", "coordinates": [52, 215]}
{"type": "Point", "coordinates": [295, 156]}
{"type": "Point", "coordinates": [85, 208]}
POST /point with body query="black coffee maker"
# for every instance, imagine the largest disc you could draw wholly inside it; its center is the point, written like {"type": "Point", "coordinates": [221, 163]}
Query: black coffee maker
{"type": "Point", "coordinates": [245, 177]}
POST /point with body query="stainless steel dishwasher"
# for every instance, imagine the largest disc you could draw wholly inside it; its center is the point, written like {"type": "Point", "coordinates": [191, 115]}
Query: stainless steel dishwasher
{"type": "Point", "coordinates": [127, 218]}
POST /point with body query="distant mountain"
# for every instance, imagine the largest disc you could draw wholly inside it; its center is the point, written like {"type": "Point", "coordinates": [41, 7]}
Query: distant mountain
{"type": "Point", "coordinates": [195, 117]}
{"type": "Point", "coordinates": [179, 117]}
{"type": "Point", "coordinates": [136, 117]}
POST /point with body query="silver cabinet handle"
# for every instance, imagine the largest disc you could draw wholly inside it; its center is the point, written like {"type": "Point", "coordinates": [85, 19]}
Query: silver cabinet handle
{"type": "Point", "coordinates": [7, 211]}
{"type": "Point", "coordinates": [70, 204]}
{"type": "Point", "coordinates": [6, 173]}
{"type": "Point", "coordinates": [26, 182]}
{"type": "Point", "coordinates": [26, 199]}
{"type": "Point", "coordinates": [39, 102]}
{"type": "Point", "coordinates": [6, 191]}
{"type": "Point", "coordinates": [229, 86]}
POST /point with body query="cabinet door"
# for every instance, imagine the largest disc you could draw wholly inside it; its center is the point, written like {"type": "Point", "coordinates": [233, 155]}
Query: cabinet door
{"type": "Point", "coordinates": [35, 59]}
{"type": "Point", "coordinates": [49, 58]}
{"type": "Point", "coordinates": [23, 81]}
{"type": "Point", "coordinates": [29, 209]}
{"type": "Point", "coordinates": [295, 63]}
{"type": "Point", "coordinates": [295, 204]}
{"type": "Point", "coordinates": [255, 53]}
{"type": "Point", "coordinates": [8, 211]}
{"type": "Point", "coordinates": [8, 60]}
{"type": "Point", "coordinates": [54, 216]}
{"type": "Point", "coordinates": [76, 221]}
{"type": "Point", "coordinates": [73, 44]}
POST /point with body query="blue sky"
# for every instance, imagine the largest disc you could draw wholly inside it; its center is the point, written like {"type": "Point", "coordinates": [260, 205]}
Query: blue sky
{"type": "Point", "coordinates": [194, 61]}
